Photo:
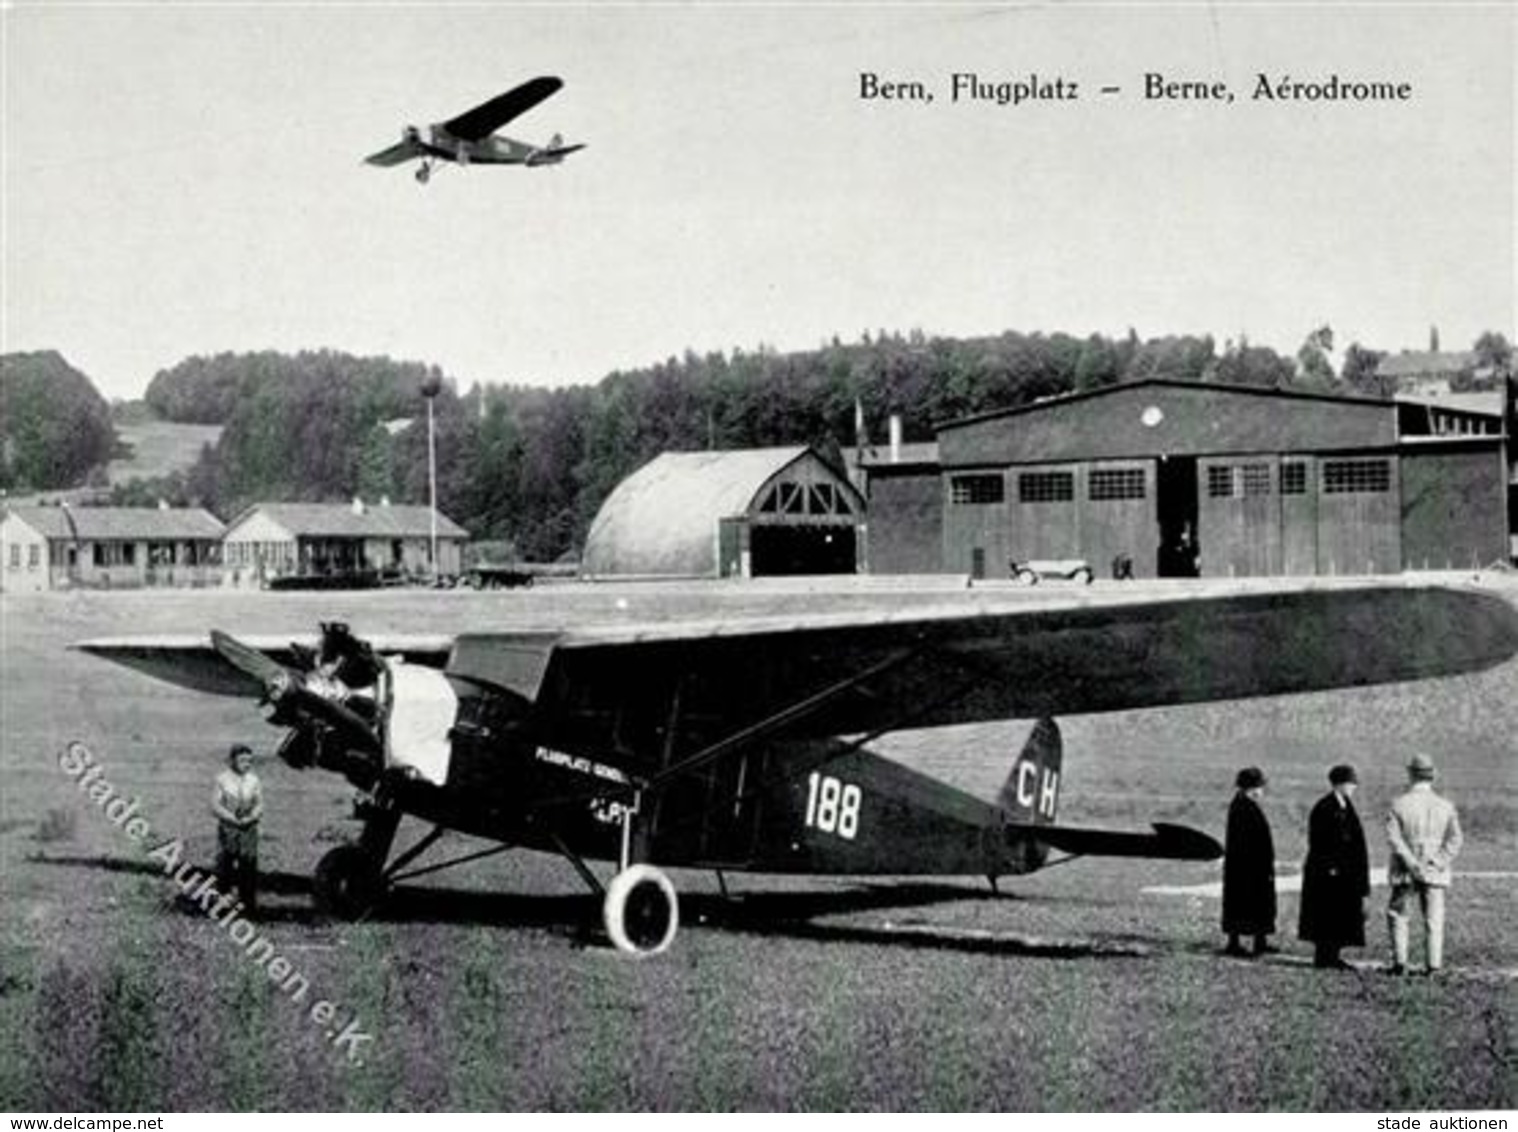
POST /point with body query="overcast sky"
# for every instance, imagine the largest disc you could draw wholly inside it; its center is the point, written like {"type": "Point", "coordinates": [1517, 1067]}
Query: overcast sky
{"type": "Point", "coordinates": [189, 179]}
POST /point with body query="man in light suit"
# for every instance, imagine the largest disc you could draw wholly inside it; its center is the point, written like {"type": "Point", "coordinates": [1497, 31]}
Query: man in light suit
{"type": "Point", "coordinates": [1424, 831]}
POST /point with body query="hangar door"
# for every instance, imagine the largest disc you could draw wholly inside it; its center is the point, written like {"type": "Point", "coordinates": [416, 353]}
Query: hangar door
{"type": "Point", "coordinates": [805, 522]}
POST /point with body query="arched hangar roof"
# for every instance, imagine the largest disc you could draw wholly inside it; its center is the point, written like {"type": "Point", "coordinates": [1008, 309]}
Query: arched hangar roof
{"type": "Point", "coordinates": [663, 519]}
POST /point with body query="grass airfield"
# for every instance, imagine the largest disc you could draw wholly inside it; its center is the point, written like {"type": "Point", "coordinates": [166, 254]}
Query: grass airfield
{"type": "Point", "coordinates": [487, 987]}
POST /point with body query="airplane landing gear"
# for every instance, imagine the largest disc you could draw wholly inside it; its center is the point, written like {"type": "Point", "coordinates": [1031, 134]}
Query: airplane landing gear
{"type": "Point", "coordinates": [424, 173]}
{"type": "Point", "coordinates": [351, 879]}
{"type": "Point", "coordinates": [641, 912]}
{"type": "Point", "coordinates": [348, 882]}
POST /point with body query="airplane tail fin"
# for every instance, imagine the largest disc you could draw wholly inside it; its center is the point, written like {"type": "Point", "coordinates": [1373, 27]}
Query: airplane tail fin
{"type": "Point", "coordinates": [1030, 803]}
{"type": "Point", "coordinates": [1031, 793]}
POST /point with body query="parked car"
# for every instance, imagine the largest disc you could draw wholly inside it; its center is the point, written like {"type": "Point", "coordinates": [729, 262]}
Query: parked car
{"type": "Point", "coordinates": [1035, 570]}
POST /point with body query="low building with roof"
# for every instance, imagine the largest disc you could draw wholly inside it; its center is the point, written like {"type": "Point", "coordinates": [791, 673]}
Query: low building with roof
{"type": "Point", "coordinates": [273, 541]}
{"type": "Point", "coordinates": [49, 548]}
{"type": "Point", "coordinates": [740, 513]}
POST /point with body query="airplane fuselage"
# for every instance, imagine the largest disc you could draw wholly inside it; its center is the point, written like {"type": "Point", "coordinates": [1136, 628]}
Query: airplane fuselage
{"type": "Point", "coordinates": [496, 149]}
{"type": "Point", "coordinates": [822, 809]}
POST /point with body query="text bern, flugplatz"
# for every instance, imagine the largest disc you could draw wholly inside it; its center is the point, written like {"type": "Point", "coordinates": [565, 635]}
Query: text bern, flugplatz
{"type": "Point", "coordinates": [966, 86]}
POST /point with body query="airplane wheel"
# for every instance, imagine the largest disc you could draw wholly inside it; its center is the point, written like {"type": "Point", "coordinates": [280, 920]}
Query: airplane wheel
{"type": "Point", "coordinates": [641, 912]}
{"type": "Point", "coordinates": [347, 883]}
{"type": "Point", "coordinates": [423, 174]}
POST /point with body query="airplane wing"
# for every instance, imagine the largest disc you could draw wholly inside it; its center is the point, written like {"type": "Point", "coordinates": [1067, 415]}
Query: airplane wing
{"type": "Point", "coordinates": [405, 150]}
{"type": "Point", "coordinates": [242, 667]}
{"type": "Point", "coordinates": [1023, 657]}
{"type": "Point", "coordinates": [854, 673]}
{"type": "Point", "coordinates": [486, 118]}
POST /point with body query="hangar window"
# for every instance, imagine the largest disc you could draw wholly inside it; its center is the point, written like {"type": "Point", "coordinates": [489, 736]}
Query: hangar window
{"type": "Point", "coordinates": [1255, 479]}
{"type": "Point", "coordinates": [977, 489]}
{"type": "Point", "coordinates": [15, 556]}
{"type": "Point", "coordinates": [1045, 487]}
{"type": "Point", "coordinates": [1117, 483]}
{"type": "Point", "coordinates": [1343, 477]}
{"type": "Point", "coordinates": [34, 556]}
{"type": "Point", "coordinates": [1233, 481]}
{"type": "Point", "coordinates": [1294, 478]}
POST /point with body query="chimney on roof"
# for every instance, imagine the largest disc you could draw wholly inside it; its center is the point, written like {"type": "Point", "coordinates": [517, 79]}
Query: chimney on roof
{"type": "Point", "coordinates": [895, 438]}
{"type": "Point", "coordinates": [358, 505]}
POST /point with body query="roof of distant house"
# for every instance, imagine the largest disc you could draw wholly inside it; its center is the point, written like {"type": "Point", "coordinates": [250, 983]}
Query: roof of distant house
{"type": "Point", "coordinates": [344, 520]}
{"type": "Point", "coordinates": [1489, 403]}
{"type": "Point", "coordinates": [121, 523]}
{"type": "Point", "coordinates": [1415, 363]}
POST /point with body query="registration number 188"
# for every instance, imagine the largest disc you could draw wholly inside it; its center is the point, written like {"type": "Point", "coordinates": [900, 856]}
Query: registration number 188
{"type": "Point", "coordinates": [832, 806]}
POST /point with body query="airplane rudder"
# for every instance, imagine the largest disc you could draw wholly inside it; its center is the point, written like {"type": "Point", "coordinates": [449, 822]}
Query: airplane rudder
{"type": "Point", "coordinates": [1031, 792]}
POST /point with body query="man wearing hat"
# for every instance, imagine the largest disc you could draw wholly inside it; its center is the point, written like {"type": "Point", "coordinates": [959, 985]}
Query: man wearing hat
{"type": "Point", "coordinates": [1336, 874]}
{"type": "Point", "coordinates": [1424, 831]}
{"type": "Point", "coordinates": [238, 803]}
{"type": "Point", "coordinates": [1249, 867]}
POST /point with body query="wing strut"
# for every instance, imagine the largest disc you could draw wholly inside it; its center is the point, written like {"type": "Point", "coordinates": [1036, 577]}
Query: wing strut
{"type": "Point", "coordinates": [799, 710]}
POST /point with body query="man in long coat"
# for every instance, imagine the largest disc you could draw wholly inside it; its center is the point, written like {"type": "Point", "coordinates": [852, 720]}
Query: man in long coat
{"type": "Point", "coordinates": [1249, 867]}
{"type": "Point", "coordinates": [1336, 875]}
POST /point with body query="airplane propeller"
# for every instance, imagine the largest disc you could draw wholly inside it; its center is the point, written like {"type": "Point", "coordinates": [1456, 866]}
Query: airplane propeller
{"type": "Point", "coordinates": [305, 710]}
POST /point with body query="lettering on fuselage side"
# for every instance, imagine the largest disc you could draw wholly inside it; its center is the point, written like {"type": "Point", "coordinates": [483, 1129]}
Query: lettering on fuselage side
{"type": "Point", "coordinates": [580, 764]}
{"type": "Point", "coordinates": [608, 812]}
{"type": "Point", "coordinates": [832, 806]}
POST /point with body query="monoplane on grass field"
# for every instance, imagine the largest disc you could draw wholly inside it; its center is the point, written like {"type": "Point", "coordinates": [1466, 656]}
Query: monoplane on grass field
{"type": "Point", "coordinates": [470, 138]}
{"type": "Point", "coordinates": [742, 743]}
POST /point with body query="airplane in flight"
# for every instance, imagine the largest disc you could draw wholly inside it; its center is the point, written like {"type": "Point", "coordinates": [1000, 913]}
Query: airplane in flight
{"type": "Point", "coordinates": [742, 742]}
{"type": "Point", "coordinates": [470, 138]}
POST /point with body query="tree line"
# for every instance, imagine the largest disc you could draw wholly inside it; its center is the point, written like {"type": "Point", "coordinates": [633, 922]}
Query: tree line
{"type": "Point", "coordinates": [531, 466]}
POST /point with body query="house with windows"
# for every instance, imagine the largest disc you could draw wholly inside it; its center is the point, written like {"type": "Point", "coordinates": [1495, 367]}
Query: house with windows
{"type": "Point", "coordinates": [1179, 477]}
{"type": "Point", "coordinates": [63, 547]}
{"type": "Point", "coordinates": [339, 542]}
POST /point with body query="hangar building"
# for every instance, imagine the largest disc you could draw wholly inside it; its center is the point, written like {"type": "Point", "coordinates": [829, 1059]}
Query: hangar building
{"type": "Point", "coordinates": [745, 513]}
{"type": "Point", "coordinates": [1191, 478]}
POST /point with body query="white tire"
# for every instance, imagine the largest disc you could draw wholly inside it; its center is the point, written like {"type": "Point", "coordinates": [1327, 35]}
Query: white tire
{"type": "Point", "coordinates": [641, 911]}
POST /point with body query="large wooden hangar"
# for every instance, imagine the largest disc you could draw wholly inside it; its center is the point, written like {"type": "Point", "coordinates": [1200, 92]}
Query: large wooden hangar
{"type": "Point", "coordinates": [1173, 478]}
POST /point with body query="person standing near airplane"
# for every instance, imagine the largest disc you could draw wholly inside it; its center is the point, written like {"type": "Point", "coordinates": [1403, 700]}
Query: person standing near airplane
{"type": "Point", "coordinates": [1336, 875]}
{"type": "Point", "coordinates": [1425, 837]}
{"type": "Point", "coordinates": [1249, 868]}
{"type": "Point", "coordinates": [238, 803]}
